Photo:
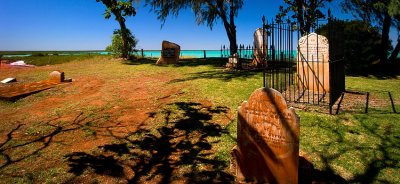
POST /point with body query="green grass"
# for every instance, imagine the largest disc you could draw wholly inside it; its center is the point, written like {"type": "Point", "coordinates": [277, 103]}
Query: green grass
{"type": "Point", "coordinates": [51, 59]}
{"type": "Point", "coordinates": [357, 147]}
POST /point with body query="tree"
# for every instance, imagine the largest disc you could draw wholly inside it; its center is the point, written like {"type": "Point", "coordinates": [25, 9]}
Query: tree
{"type": "Point", "coordinates": [120, 9]}
{"type": "Point", "coordinates": [361, 43]}
{"type": "Point", "coordinates": [206, 12]}
{"type": "Point", "coordinates": [385, 13]}
{"type": "Point", "coordinates": [305, 12]}
{"type": "Point", "coordinates": [117, 44]}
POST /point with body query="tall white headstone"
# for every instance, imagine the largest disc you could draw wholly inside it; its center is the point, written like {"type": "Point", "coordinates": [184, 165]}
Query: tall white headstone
{"type": "Point", "coordinates": [313, 62]}
{"type": "Point", "coordinates": [258, 45]}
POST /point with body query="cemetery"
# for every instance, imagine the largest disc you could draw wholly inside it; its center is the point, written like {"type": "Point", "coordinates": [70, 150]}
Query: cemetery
{"type": "Point", "coordinates": [284, 109]}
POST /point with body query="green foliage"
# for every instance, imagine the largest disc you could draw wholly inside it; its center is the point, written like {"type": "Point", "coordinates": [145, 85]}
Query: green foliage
{"type": "Point", "coordinates": [52, 60]}
{"type": "Point", "coordinates": [361, 44]}
{"type": "Point", "coordinates": [118, 8]}
{"type": "Point", "coordinates": [121, 9]}
{"type": "Point", "coordinates": [304, 12]}
{"type": "Point", "coordinates": [117, 44]}
{"type": "Point", "coordinates": [384, 13]}
{"type": "Point", "coordinates": [206, 12]}
{"type": "Point", "coordinates": [39, 54]}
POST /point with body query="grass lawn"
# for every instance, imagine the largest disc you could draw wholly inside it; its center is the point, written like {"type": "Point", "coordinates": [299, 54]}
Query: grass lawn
{"type": "Point", "coordinates": [120, 122]}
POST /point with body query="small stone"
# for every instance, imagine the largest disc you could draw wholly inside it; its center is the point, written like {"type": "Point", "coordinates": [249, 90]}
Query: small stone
{"type": "Point", "coordinates": [9, 80]}
{"type": "Point", "coordinates": [56, 76]}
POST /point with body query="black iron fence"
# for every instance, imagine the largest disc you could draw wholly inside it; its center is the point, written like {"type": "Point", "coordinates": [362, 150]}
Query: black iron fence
{"type": "Point", "coordinates": [306, 68]}
{"type": "Point", "coordinates": [244, 51]}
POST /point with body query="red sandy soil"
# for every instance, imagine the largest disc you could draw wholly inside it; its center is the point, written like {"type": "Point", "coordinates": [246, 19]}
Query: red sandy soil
{"type": "Point", "coordinates": [71, 126]}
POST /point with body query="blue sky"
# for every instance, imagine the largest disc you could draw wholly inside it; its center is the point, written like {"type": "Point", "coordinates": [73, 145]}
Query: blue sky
{"type": "Point", "coordinates": [80, 25]}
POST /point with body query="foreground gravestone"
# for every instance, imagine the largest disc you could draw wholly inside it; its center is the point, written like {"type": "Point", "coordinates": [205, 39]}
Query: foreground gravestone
{"type": "Point", "coordinates": [313, 62]}
{"type": "Point", "coordinates": [169, 53]}
{"type": "Point", "coordinates": [56, 76]}
{"type": "Point", "coordinates": [267, 139]}
{"type": "Point", "coordinates": [259, 48]}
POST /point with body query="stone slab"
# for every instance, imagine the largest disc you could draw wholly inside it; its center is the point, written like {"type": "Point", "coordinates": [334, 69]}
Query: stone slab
{"type": "Point", "coordinates": [9, 80]}
{"type": "Point", "coordinates": [17, 91]}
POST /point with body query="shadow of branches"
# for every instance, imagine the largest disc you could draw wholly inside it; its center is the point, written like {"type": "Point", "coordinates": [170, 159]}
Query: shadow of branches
{"type": "Point", "coordinates": [363, 150]}
{"type": "Point", "coordinates": [181, 148]}
{"type": "Point", "coordinates": [218, 74]}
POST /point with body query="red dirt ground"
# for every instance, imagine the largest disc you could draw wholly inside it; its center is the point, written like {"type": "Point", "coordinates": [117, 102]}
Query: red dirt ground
{"type": "Point", "coordinates": [83, 117]}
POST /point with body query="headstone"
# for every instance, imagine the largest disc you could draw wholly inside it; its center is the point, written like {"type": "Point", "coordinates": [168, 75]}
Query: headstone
{"type": "Point", "coordinates": [169, 53]}
{"type": "Point", "coordinates": [313, 62]}
{"type": "Point", "coordinates": [56, 76]}
{"type": "Point", "coordinates": [233, 61]}
{"type": "Point", "coordinates": [259, 48]}
{"type": "Point", "coordinates": [9, 80]}
{"type": "Point", "coordinates": [267, 148]}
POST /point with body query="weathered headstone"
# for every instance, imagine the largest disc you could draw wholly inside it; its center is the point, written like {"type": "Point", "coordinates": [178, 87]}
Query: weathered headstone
{"type": "Point", "coordinates": [233, 61]}
{"type": "Point", "coordinates": [259, 48]}
{"type": "Point", "coordinates": [313, 62]}
{"type": "Point", "coordinates": [267, 139]}
{"type": "Point", "coordinates": [169, 53]}
{"type": "Point", "coordinates": [56, 76]}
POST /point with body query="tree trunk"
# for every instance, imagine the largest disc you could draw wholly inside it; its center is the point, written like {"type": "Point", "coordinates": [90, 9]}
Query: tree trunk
{"type": "Point", "coordinates": [385, 38]}
{"type": "Point", "coordinates": [300, 16]}
{"type": "Point", "coordinates": [395, 52]}
{"type": "Point", "coordinates": [232, 27]}
{"type": "Point", "coordinates": [124, 35]}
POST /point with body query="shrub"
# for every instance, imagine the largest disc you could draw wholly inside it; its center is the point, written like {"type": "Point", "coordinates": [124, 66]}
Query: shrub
{"type": "Point", "coordinates": [116, 46]}
{"type": "Point", "coordinates": [39, 54]}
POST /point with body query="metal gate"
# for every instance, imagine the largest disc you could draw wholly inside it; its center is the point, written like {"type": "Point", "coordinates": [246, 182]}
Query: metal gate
{"type": "Point", "coordinates": [308, 78]}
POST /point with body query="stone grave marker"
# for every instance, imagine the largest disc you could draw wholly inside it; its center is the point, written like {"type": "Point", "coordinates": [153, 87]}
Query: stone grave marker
{"type": "Point", "coordinates": [56, 76]}
{"type": "Point", "coordinates": [313, 62]}
{"type": "Point", "coordinates": [267, 147]}
{"type": "Point", "coordinates": [258, 46]}
{"type": "Point", "coordinates": [169, 53]}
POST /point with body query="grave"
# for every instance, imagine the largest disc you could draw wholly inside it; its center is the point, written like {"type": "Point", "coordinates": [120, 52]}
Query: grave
{"type": "Point", "coordinates": [313, 62]}
{"type": "Point", "coordinates": [169, 53]}
{"type": "Point", "coordinates": [259, 49]}
{"type": "Point", "coordinates": [267, 147]}
{"type": "Point", "coordinates": [233, 61]}
{"type": "Point", "coordinates": [17, 91]}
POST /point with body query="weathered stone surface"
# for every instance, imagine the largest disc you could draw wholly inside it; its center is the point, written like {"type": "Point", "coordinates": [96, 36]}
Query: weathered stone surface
{"type": "Point", "coordinates": [313, 62]}
{"type": "Point", "coordinates": [169, 53]}
{"type": "Point", "coordinates": [56, 76]}
{"type": "Point", "coordinates": [233, 61]}
{"type": "Point", "coordinates": [259, 48]}
{"type": "Point", "coordinates": [267, 142]}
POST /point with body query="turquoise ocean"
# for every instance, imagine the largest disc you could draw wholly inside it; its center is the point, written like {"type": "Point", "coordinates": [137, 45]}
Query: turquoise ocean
{"type": "Point", "coordinates": [146, 53]}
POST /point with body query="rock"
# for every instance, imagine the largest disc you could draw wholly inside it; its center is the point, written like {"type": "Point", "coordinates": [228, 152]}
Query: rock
{"type": "Point", "coordinates": [56, 76]}
{"type": "Point", "coordinates": [169, 54]}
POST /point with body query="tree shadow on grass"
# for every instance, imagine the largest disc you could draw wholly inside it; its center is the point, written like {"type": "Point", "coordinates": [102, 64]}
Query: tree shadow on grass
{"type": "Point", "coordinates": [364, 153]}
{"type": "Point", "coordinates": [218, 74]}
{"type": "Point", "coordinates": [183, 147]}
